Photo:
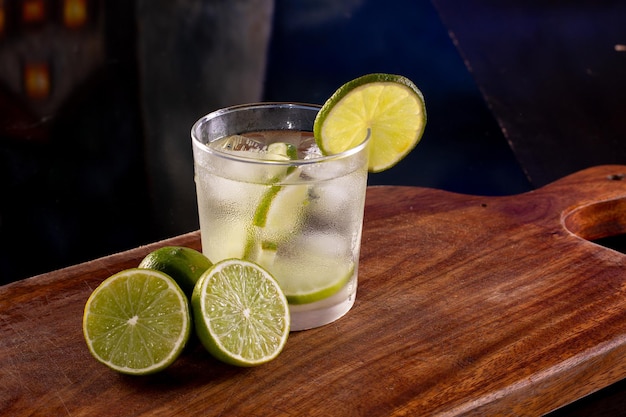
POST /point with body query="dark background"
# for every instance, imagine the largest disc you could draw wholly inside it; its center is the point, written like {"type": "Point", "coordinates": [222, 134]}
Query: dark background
{"type": "Point", "coordinates": [96, 108]}
{"type": "Point", "coordinates": [77, 174]}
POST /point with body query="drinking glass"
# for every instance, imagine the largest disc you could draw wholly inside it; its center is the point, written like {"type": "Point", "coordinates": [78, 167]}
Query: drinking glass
{"type": "Point", "coordinates": [267, 194]}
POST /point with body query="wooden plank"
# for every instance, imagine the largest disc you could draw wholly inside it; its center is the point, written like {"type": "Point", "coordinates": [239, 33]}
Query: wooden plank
{"type": "Point", "coordinates": [467, 305]}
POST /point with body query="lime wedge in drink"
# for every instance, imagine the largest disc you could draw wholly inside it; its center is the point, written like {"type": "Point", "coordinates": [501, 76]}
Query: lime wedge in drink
{"type": "Point", "coordinates": [241, 314]}
{"type": "Point", "coordinates": [317, 269]}
{"type": "Point", "coordinates": [315, 282]}
{"type": "Point", "coordinates": [278, 218]}
{"type": "Point", "coordinates": [282, 151]}
{"type": "Point", "coordinates": [388, 107]}
{"type": "Point", "coordinates": [183, 264]}
{"type": "Point", "coordinates": [280, 211]}
{"type": "Point", "coordinates": [254, 148]}
{"type": "Point", "coordinates": [281, 205]}
{"type": "Point", "coordinates": [137, 321]}
{"type": "Point", "coordinates": [264, 253]}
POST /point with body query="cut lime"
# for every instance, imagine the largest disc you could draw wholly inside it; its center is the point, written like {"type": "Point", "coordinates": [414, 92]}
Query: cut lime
{"type": "Point", "coordinates": [280, 209]}
{"type": "Point", "coordinates": [390, 108]}
{"type": "Point", "coordinates": [317, 269]}
{"type": "Point", "coordinates": [281, 205]}
{"type": "Point", "coordinates": [251, 146]}
{"type": "Point", "coordinates": [137, 321]}
{"type": "Point", "coordinates": [183, 264]}
{"type": "Point", "coordinates": [282, 151]}
{"type": "Point", "coordinates": [278, 218]}
{"type": "Point", "coordinates": [241, 315]}
{"type": "Point", "coordinates": [280, 212]}
{"type": "Point", "coordinates": [314, 283]}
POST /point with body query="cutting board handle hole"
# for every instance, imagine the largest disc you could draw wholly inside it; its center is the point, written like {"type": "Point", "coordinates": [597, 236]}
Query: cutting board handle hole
{"type": "Point", "coordinates": [603, 222]}
{"type": "Point", "coordinates": [616, 177]}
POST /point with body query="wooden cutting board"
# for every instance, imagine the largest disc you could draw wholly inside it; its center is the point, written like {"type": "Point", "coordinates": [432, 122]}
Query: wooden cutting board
{"type": "Point", "coordinates": [467, 305]}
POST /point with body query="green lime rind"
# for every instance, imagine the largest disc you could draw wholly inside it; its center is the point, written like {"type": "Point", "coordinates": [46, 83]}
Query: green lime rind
{"type": "Point", "coordinates": [281, 208]}
{"type": "Point", "coordinates": [281, 149]}
{"type": "Point", "coordinates": [260, 214]}
{"type": "Point", "coordinates": [377, 119]}
{"type": "Point", "coordinates": [311, 297]}
{"type": "Point", "coordinates": [241, 314]}
{"type": "Point", "coordinates": [137, 321]}
{"type": "Point", "coordinates": [285, 150]}
{"type": "Point", "coordinates": [183, 264]}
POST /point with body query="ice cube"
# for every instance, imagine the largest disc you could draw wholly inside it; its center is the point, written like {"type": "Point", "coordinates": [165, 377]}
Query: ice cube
{"type": "Point", "coordinates": [238, 143]}
{"type": "Point", "coordinates": [312, 152]}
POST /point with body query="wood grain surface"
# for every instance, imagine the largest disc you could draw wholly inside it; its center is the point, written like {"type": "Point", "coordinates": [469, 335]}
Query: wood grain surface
{"type": "Point", "coordinates": [467, 305]}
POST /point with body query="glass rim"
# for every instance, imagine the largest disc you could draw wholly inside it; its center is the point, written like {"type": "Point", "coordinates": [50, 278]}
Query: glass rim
{"type": "Point", "coordinates": [244, 159]}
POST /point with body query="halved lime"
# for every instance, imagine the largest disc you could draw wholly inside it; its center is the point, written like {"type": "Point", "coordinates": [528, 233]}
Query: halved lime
{"type": "Point", "coordinates": [390, 108]}
{"type": "Point", "coordinates": [241, 314]}
{"type": "Point", "coordinates": [183, 264]}
{"type": "Point", "coordinates": [137, 321]}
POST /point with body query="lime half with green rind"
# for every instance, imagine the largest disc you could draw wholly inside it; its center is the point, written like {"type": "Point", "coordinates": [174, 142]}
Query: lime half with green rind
{"type": "Point", "coordinates": [241, 314]}
{"type": "Point", "coordinates": [137, 321]}
{"type": "Point", "coordinates": [388, 108]}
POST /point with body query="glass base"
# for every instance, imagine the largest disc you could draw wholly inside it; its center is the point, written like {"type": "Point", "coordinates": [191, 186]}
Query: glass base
{"type": "Point", "coordinates": [304, 319]}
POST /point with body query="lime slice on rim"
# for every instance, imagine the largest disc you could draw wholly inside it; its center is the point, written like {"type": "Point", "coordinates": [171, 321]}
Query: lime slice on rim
{"type": "Point", "coordinates": [388, 107]}
{"type": "Point", "coordinates": [241, 314]}
{"type": "Point", "coordinates": [137, 321]}
{"type": "Point", "coordinates": [183, 264]}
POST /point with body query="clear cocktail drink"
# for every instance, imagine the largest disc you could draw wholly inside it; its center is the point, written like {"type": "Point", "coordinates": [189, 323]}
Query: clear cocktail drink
{"type": "Point", "coordinates": [267, 194]}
